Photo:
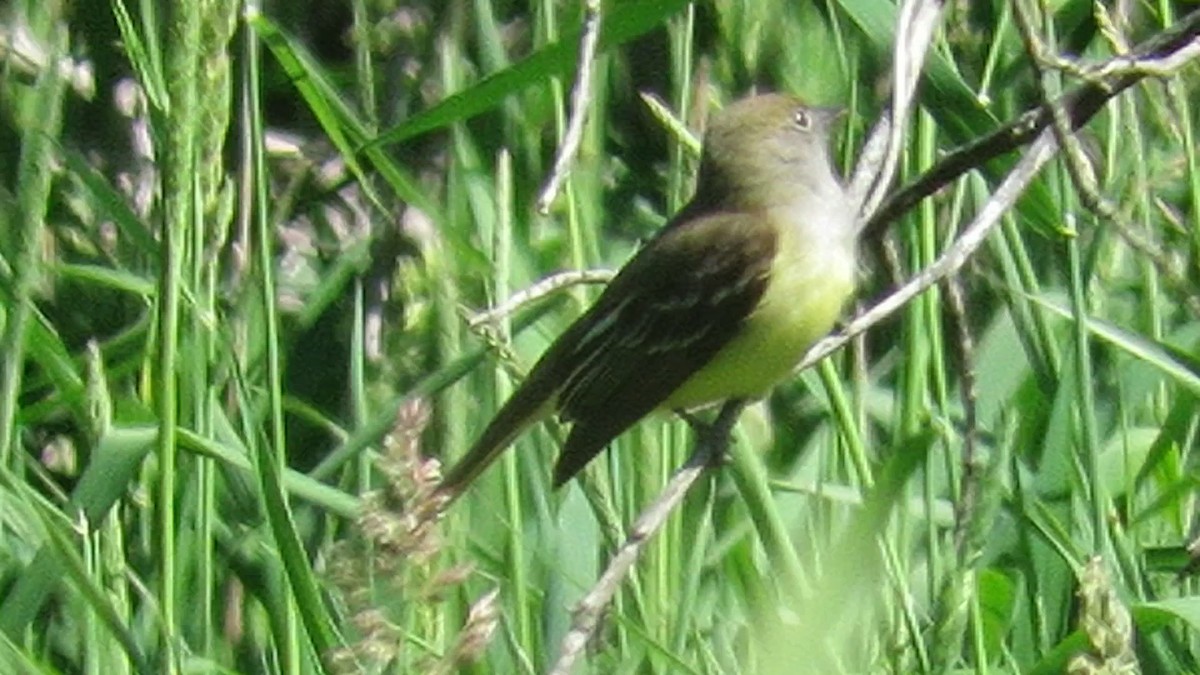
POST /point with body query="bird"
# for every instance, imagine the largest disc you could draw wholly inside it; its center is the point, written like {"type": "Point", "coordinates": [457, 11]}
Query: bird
{"type": "Point", "coordinates": [721, 303]}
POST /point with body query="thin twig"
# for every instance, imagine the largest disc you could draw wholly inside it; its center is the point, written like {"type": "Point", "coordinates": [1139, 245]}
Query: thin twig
{"type": "Point", "coordinates": [1079, 168]}
{"type": "Point", "coordinates": [954, 257]}
{"type": "Point", "coordinates": [1081, 105]}
{"type": "Point", "coordinates": [1104, 73]}
{"type": "Point", "coordinates": [711, 444]}
{"type": "Point", "coordinates": [580, 97]}
{"type": "Point", "coordinates": [538, 291]}
{"type": "Point", "coordinates": [881, 153]}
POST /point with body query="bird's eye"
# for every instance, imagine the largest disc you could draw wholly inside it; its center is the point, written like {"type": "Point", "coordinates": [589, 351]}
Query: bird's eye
{"type": "Point", "coordinates": [802, 119]}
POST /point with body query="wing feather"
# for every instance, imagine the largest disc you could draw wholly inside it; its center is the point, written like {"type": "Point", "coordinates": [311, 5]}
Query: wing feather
{"type": "Point", "coordinates": [665, 316]}
{"type": "Point", "coordinates": [669, 311]}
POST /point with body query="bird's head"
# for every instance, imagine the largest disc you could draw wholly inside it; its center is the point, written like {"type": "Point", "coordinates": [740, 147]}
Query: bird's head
{"type": "Point", "coordinates": [765, 151]}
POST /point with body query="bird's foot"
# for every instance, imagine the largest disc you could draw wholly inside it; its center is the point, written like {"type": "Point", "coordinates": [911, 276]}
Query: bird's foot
{"type": "Point", "coordinates": [713, 438]}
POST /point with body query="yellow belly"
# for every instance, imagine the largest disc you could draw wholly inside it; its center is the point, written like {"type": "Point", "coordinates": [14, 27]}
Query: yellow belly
{"type": "Point", "coordinates": [802, 301]}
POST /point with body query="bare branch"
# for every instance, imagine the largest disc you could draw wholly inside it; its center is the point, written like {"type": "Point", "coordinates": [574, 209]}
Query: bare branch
{"type": "Point", "coordinates": [1081, 104]}
{"type": "Point", "coordinates": [954, 257]}
{"type": "Point", "coordinates": [1079, 168]}
{"type": "Point", "coordinates": [881, 153]}
{"type": "Point", "coordinates": [711, 445]}
{"type": "Point", "coordinates": [580, 97]}
{"type": "Point", "coordinates": [1102, 74]}
{"type": "Point", "coordinates": [538, 291]}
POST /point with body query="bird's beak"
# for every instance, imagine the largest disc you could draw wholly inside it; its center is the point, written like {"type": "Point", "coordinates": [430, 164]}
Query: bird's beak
{"type": "Point", "coordinates": [831, 114]}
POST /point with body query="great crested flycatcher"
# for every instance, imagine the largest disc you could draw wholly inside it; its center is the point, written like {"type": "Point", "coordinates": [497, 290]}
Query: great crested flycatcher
{"type": "Point", "coordinates": [722, 302]}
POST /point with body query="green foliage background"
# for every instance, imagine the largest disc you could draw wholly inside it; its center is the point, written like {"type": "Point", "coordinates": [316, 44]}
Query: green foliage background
{"type": "Point", "coordinates": [240, 246]}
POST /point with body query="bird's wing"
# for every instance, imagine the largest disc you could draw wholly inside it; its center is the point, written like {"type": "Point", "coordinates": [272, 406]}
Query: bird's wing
{"type": "Point", "coordinates": [662, 318]}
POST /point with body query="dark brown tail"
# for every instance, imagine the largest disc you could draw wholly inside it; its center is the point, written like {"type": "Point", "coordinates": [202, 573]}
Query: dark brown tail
{"type": "Point", "coordinates": [532, 402]}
